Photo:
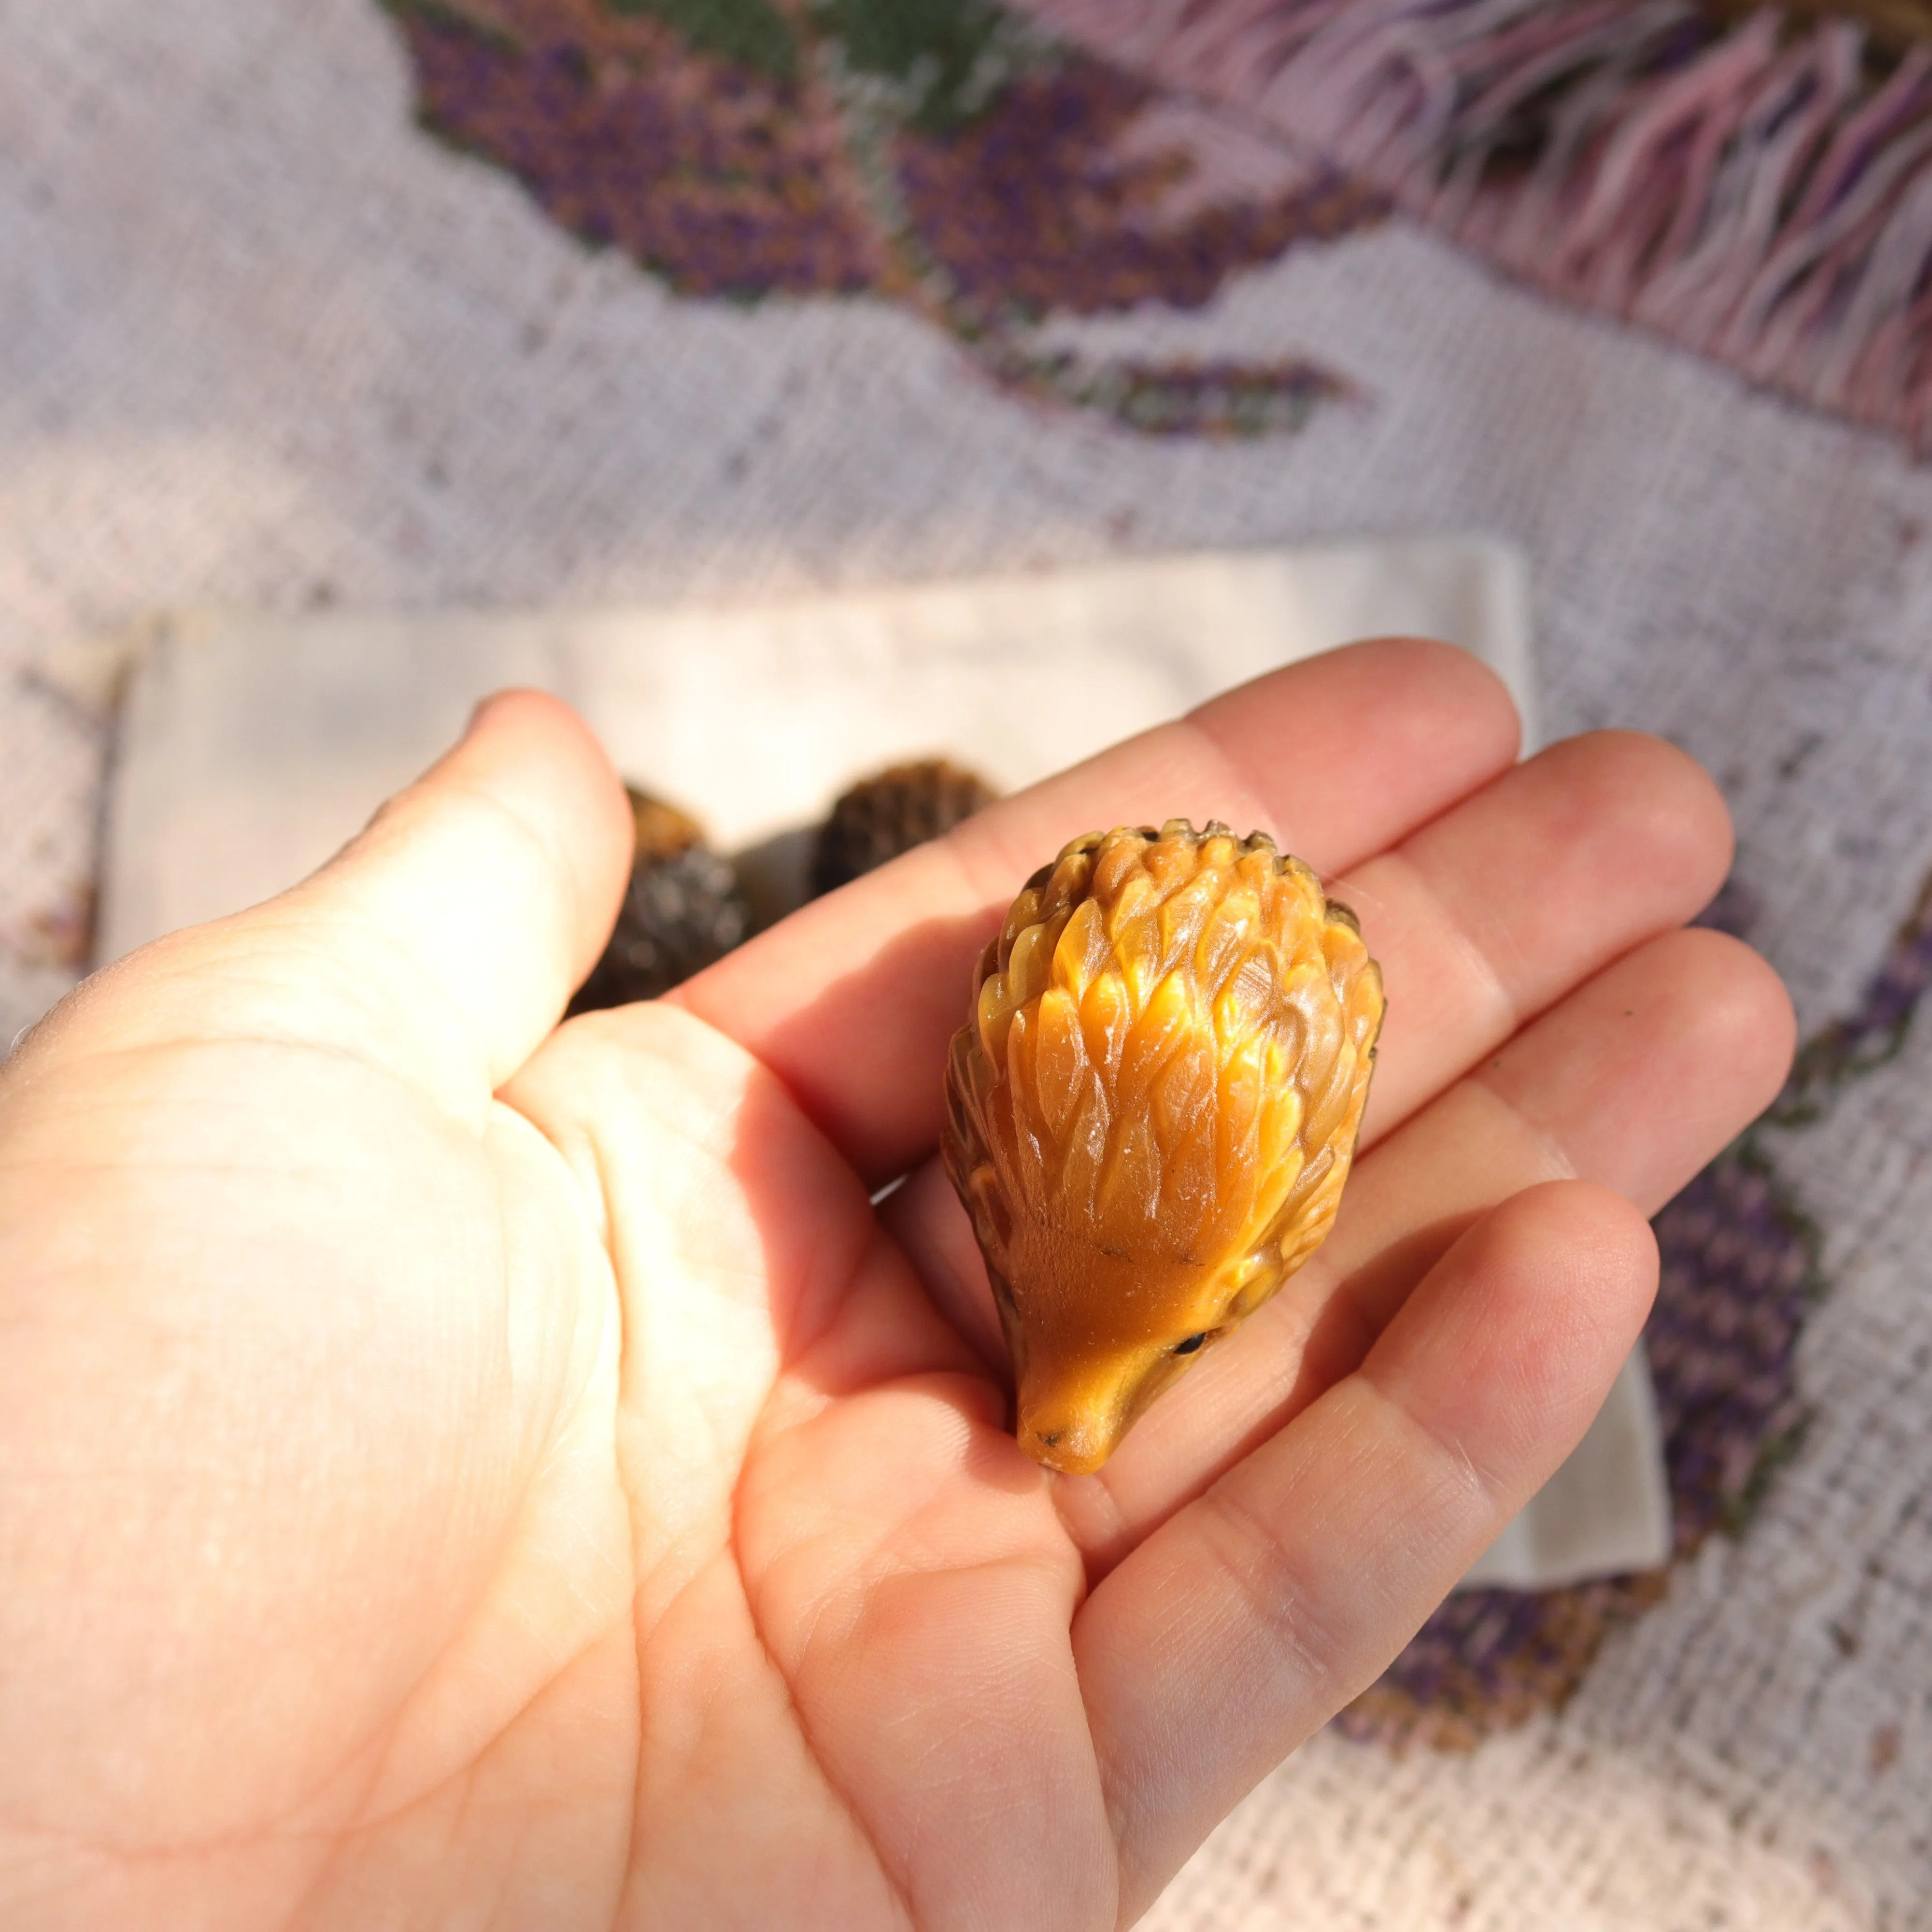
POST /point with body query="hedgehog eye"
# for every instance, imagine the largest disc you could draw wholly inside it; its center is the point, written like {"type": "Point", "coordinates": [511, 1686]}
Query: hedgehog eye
{"type": "Point", "coordinates": [1188, 1347]}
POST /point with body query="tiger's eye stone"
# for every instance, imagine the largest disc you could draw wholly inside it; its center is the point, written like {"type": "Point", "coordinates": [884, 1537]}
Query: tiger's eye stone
{"type": "Point", "coordinates": [1151, 1110]}
{"type": "Point", "coordinates": [891, 812]}
{"type": "Point", "coordinates": [682, 910]}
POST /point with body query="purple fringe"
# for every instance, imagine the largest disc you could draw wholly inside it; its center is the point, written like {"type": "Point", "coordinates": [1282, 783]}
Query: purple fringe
{"type": "Point", "coordinates": [1760, 193]}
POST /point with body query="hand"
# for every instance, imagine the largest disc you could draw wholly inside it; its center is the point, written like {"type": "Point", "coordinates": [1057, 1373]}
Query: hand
{"type": "Point", "coordinates": [456, 1468]}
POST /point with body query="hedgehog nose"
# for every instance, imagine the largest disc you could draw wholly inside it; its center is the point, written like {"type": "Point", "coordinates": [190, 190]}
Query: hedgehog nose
{"type": "Point", "coordinates": [1063, 1436]}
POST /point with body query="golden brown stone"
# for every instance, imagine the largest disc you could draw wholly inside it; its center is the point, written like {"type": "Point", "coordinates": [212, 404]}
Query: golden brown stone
{"type": "Point", "coordinates": [891, 812]}
{"type": "Point", "coordinates": [682, 910]}
{"type": "Point", "coordinates": [1151, 1111]}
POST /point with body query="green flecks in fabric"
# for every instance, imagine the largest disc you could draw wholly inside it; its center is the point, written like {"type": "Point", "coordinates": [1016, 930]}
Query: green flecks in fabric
{"type": "Point", "coordinates": [951, 56]}
{"type": "Point", "coordinates": [748, 33]}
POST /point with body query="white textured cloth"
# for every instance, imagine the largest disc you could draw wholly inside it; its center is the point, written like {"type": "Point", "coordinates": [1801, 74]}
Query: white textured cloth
{"type": "Point", "coordinates": [267, 346]}
{"type": "Point", "coordinates": [251, 747]}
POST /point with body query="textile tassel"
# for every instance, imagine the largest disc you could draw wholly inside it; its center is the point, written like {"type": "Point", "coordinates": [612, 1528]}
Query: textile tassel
{"type": "Point", "coordinates": [1758, 189]}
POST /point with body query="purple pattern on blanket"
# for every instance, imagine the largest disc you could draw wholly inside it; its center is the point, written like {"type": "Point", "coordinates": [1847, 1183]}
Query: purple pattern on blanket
{"type": "Point", "coordinates": [1070, 190]}
{"type": "Point", "coordinates": [1874, 1032]}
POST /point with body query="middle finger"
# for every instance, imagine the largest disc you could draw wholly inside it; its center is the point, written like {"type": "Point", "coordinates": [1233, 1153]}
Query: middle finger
{"type": "Point", "coordinates": [1483, 918]}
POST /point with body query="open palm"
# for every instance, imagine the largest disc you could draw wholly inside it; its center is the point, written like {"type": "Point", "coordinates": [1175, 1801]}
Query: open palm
{"type": "Point", "coordinates": [458, 1470]}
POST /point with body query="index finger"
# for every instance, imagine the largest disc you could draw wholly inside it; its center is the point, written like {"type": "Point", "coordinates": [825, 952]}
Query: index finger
{"type": "Point", "coordinates": [851, 1000]}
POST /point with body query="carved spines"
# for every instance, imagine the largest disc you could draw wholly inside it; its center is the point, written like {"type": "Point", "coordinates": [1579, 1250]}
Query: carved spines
{"type": "Point", "coordinates": [1168, 1053]}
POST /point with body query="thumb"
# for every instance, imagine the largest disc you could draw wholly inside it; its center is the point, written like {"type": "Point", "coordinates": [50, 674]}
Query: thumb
{"type": "Point", "coordinates": [443, 942]}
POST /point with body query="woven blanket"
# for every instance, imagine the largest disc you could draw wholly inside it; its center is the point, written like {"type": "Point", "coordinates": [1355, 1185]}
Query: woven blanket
{"type": "Point", "coordinates": [487, 302]}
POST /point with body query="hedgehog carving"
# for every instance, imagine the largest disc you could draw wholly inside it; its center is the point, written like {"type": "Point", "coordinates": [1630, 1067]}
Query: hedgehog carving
{"type": "Point", "coordinates": [1151, 1111]}
{"type": "Point", "coordinates": [891, 812]}
{"type": "Point", "coordinates": [682, 911]}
